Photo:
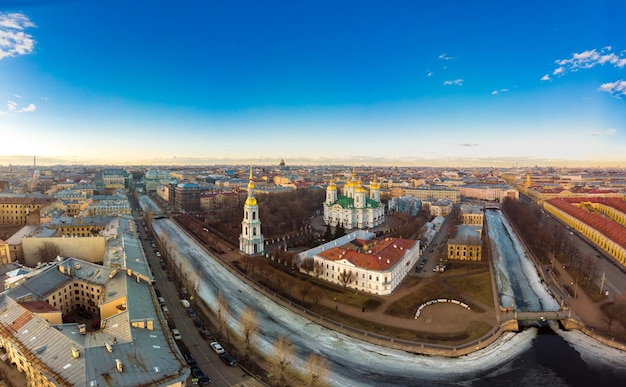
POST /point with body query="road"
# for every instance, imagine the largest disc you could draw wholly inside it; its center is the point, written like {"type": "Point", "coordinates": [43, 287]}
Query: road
{"type": "Point", "coordinates": [208, 360]}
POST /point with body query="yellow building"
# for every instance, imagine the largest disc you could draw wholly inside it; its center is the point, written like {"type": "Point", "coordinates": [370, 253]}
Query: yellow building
{"type": "Point", "coordinates": [608, 234]}
{"type": "Point", "coordinates": [5, 254]}
{"type": "Point", "coordinates": [17, 210]}
{"type": "Point", "coordinates": [466, 245]}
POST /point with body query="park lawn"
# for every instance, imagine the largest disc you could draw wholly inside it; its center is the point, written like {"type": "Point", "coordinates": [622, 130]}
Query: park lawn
{"type": "Point", "coordinates": [476, 286]}
{"type": "Point", "coordinates": [407, 305]}
{"type": "Point", "coordinates": [475, 330]}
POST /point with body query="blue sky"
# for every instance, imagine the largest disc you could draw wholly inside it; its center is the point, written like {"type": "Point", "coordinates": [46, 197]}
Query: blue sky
{"type": "Point", "coordinates": [314, 82]}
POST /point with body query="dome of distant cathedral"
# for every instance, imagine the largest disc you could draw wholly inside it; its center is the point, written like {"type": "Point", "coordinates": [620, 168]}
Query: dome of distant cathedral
{"type": "Point", "coordinates": [282, 163]}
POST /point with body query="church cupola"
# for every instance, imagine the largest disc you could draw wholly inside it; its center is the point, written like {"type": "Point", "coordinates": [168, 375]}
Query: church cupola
{"type": "Point", "coordinates": [251, 240]}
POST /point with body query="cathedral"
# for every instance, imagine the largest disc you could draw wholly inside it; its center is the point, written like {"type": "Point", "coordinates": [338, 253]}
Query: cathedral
{"type": "Point", "coordinates": [251, 240]}
{"type": "Point", "coordinates": [354, 209]}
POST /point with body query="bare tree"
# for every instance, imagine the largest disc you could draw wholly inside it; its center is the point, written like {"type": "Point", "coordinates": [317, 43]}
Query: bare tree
{"type": "Point", "coordinates": [222, 314]}
{"type": "Point", "coordinates": [48, 251]}
{"type": "Point", "coordinates": [318, 368]}
{"type": "Point", "coordinates": [318, 269]}
{"type": "Point", "coordinates": [282, 355]}
{"type": "Point", "coordinates": [290, 284]}
{"type": "Point", "coordinates": [346, 278]}
{"type": "Point", "coordinates": [280, 280]}
{"type": "Point", "coordinates": [250, 326]}
{"type": "Point", "coordinates": [305, 289]}
{"type": "Point", "coordinates": [308, 265]}
{"type": "Point", "coordinates": [317, 295]}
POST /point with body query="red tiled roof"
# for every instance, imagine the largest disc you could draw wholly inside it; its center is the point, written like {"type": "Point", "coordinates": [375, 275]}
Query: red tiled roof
{"type": "Point", "coordinates": [382, 256]}
{"type": "Point", "coordinates": [608, 227]}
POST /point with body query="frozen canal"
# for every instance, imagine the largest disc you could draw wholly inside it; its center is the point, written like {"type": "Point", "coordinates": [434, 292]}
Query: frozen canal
{"type": "Point", "coordinates": [356, 363]}
{"type": "Point", "coordinates": [519, 285]}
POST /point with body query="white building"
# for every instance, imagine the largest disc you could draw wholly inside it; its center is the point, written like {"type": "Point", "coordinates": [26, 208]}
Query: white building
{"type": "Point", "coordinates": [363, 263]}
{"type": "Point", "coordinates": [354, 208]}
{"type": "Point", "coordinates": [251, 240]}
{"type": "Point", "coordinates": [489, 192]}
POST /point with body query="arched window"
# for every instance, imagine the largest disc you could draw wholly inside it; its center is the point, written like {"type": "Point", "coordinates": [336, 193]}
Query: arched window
{"type": "Point", "coordinates": [253, 215]}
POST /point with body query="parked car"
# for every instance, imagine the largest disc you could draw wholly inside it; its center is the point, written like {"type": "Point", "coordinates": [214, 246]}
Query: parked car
{"type": "Point", "coordinates": [170, 277]}
{"type": "Point", "coordinates": [158, 254]}
{"type": "Point", "coordinates": [190, 360]}
{"type": "Point", "coordinates": [198, 322]}
{"type": "Point", "coordinates": [185, 303]}
{"type": "Point", "coordinates": [203, 379]}
{"type": "Point", "coordinates": [206, 334]}
{"type": "Point", "coordinates": [217, 347]}
{"type": "Point", "coordinates": [161, 301]}
{"type": "Point", "coordinates": [191, 313]}
{"type": "Point", "coordinates": [229, 359]}
{"type": "Point", "coordinates": [176, 334]}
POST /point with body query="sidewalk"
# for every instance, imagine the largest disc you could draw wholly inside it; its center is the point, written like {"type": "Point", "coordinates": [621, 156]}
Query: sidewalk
{"type": "Point", "coordinates": [584, 307]}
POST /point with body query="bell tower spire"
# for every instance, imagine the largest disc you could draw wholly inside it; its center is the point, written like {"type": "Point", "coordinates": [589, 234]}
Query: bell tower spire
{"type": "Point", "coordinates": [251, 240]}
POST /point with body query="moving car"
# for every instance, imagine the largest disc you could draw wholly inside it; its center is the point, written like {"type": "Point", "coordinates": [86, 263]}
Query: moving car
{"type": "Point", "coordinates": [217, 347]}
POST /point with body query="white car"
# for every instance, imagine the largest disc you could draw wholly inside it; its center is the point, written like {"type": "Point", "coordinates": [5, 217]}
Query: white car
{"type": "Point", "coordinates": [217, 347]}
{"type": "Point", "coordinates": [185, 303]}
{"type": "Point", "coordinates": [176, 334]}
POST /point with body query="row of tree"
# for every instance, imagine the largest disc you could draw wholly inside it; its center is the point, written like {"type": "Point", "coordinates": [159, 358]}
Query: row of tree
{"type": "Point", "coordinates": [282, 354]}
{"type": "Point", "coordinates": [547, 239]}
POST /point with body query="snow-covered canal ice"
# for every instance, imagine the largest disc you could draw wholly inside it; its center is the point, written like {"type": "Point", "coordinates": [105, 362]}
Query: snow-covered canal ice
{"type": "Point", "coordinates": [518, 283]}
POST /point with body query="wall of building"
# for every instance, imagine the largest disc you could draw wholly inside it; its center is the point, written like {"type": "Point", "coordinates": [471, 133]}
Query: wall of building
{"type": "Point", "coordinates": [90, 249]}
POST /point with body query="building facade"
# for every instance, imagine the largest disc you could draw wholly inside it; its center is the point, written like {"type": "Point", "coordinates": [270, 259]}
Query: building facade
{"type": "Point", "coordinates": [367, 265]}
{"type": "Point", "coordinates": [606, 230]}
{"type": "Point", "coordinates": [354, 209]}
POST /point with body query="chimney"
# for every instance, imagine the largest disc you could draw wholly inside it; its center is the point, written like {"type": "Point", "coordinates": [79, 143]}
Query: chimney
{"type": "Point", "coordinates": [75, 353]}
{"type": "Point", "coordinates": [119, 365]}
{"type": "Point", "coordinates": [109, 348]}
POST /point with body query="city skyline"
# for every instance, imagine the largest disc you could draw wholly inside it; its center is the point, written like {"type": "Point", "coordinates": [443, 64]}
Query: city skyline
{"type": "Point", "coordinates": [356, 83]}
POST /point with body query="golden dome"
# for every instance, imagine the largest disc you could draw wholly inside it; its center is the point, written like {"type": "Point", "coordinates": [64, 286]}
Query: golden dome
{"type": "Point", "coordinates": [250, 202]}
{"type": "Point", "coordinates": [359, 189]}
{"type": "Point", "coordinates": [331, 186]}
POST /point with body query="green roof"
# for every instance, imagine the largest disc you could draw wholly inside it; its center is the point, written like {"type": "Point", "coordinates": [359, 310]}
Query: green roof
{"type": "Point", "coordinates": [346, 202]}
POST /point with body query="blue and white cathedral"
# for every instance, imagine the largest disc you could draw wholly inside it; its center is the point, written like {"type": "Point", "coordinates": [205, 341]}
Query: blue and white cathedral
{"type": "Point", "coordinates": [251, 240]}
{"type": "Point", "coordinates": [354, 208]}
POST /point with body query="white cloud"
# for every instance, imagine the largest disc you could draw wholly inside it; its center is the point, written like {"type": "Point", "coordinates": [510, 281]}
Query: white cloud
{"type": "Point", "coordinates": [13, 107]}
{"type": "Point", "coordinates": [588, 59]}
{"type": "Point", "coordinates": [495, 92]}
{"type": "Point", "coordinates": [545, 78]}
{"type": "Point", "coordinates": [445, 57]}
{"type": "Point", "coordinates": [606, 132]}
{"type": "Point", "coordinates": [457, 82]}
{"type": "Point", "coordinates": [429, 74]}
{"type": "Point", "coordinates": [13, 40]}
{"type": "Point", "coordinates": [617, 89]}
